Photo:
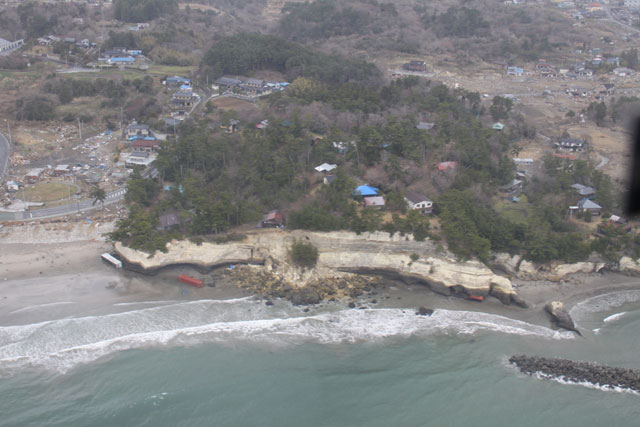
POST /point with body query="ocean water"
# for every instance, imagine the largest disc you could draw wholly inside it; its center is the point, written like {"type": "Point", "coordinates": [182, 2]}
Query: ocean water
{"type": "Point", "coordinates": [241, 363]}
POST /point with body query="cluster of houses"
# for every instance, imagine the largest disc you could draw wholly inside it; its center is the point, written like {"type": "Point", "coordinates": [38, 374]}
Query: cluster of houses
{"type": "Point", "coordinates": [183, 98]}
{"type": "Point", "coordinates": [581, 69]}
{"type": "Point", "coordinates": [247, 87]}
{"type": "Point", "coordinates": [119, 56]}
{"type": "Point", "coordinates": [143, 144]}
{"type": "Point", "coordinates": [572, 145]}
{"type": "Point", "coordinates": [71, 41]}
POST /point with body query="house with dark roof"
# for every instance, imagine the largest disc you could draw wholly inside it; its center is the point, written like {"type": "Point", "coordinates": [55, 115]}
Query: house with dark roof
{"type": "Point", "coordinates": [329, 179]}
{"type": "Point", "coordinates": [571, 144]}
{"type": "Point", "coordinates": [135, 131]}
{"type": "Point", "coordinates": [168, 220]}
{"type": "Point", "coordinates": [416, 66]}
{"type": "Point", "coordinates": [228, 82]}
{"type": "Point", "coordinates": [148, 145]}
{"type": "Point", "coordinates": [177, 81]}
{"type": "Point", "coordinates": [587, 205]}
{"type": "Point", "coordinates": [511, 187]}
{"type": "Point", "coordinates": [583, 190]}
{"type": "Point", "coordinates": [183, 99]}
{"type": "Point", "coordinates": [417, 201]}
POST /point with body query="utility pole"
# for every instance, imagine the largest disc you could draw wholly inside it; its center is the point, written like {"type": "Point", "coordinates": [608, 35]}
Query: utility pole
{"type": "Point", "coordinates": [80, 128]}
{"type": "Point", "coordinates": [102, 22]}
{"type": "Point", "coordinates": [9, 126]}
{"type": "Point", "coordinates": [121, 119]}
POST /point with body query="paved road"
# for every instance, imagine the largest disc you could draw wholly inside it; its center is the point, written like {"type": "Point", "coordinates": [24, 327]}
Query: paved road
{"type": "Point", "coordinates": [4, 155]}
{"type": "Point", "coordinates": [80, 206]}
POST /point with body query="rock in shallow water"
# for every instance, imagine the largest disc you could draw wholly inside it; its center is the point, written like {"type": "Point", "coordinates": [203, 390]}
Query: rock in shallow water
{"type": "Point", "coordinates": [560, 316]}
{"type": "Point", "coordinates": [422, 311]}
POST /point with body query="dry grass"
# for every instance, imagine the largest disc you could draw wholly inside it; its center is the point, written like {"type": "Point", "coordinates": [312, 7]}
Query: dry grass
{"type": "Point", "coordinates": [48, 191]}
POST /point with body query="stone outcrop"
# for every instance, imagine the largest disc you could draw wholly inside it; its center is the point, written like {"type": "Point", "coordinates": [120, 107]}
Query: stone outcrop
{"type": "Point", "coordinates": [578, 372]}
{"type": "Point", "coordinates": [630, 266]}
{"type": "Point", "coordinates": [339, 253]}
{"type": "Point", "coordinates": [507, 263]}
{"type": "Point", "coordinates": [560, 316]}
{"type": "Point", "coordinates": [206, 255]}
{"type": "Point", "coordinates": [528, 271]}
{"type": "Point", "coordinates": [564, 270]}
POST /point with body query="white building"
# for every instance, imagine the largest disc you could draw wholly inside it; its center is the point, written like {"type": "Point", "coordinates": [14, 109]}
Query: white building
{"type": "Point", "coordinates": [7, 46]}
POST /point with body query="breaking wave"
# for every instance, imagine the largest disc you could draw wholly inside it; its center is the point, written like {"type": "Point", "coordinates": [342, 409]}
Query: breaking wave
{"type": "Point", "coordinates": [60, 345]}
{"type": "Point", "coordinates": [602, 303]}
{"type": "Point", "coordinates": [587, 384]}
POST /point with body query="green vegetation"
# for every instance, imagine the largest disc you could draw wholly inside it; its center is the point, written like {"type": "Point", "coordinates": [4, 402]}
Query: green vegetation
{"type": "Point", "coordinates": [143, 10]}
{"type": "Point", "coordinates": [248, 52]}
{"type": "Point", "coordinates": [303, 254]}
{"type": "Point", "coordinates": [457, 22]}
{"type": "Point", "coordinates": [329, 18]}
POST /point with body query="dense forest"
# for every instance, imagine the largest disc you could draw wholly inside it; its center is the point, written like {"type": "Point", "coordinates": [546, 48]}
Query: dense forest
{"type": "Point", "coordinates": [142, 10]}
{"type": "Point", "coordinates": [248, 52]}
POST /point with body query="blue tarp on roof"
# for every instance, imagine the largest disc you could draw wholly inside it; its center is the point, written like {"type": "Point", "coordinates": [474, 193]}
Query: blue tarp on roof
{"type": "Point", "coordinates": [365, 190]}
{"type": "Point", "coordinates": [123, 59]}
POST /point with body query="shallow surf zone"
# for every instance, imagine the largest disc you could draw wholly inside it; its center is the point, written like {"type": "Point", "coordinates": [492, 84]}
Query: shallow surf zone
{"type": "Point", "coordinates": [63, 344]}
{"type": "Point", "coordinates": [604, 303]}
{"type": "Point", "coordinates": [563, 380]}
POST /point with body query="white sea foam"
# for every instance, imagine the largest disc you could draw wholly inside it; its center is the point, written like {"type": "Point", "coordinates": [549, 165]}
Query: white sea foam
{"type": "Point", "coordinates": [62, 344]}
{"type": "Point", "coordinates": [587, 384]}
{"type": "Point", "coordinates": [614, 317]}
{"type": "Point", "coordinates": [40, 306]}
{"type": "Point", "coordinates": [604, 302]}
{"type": "Point", "coordinates": [126, 304]}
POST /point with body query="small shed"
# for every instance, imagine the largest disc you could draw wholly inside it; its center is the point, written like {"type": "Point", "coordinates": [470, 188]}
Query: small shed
{"type": "Point", "coordinates": [375, 201]}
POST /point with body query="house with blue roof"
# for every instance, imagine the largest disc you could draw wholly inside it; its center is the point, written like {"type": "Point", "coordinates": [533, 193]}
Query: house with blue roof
{"type": "Point", "coordinates": [121, 60]}
{"type": "Point", "coordinates": [365, 191]}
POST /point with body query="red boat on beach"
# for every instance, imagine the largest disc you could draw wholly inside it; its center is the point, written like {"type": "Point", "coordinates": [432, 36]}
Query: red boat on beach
{"type": "Point", "coordinates": [191, 281]}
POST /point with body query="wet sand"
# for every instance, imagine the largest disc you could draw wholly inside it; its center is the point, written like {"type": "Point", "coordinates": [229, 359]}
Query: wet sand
{"type": "Point", "coordinates": [69, 279]}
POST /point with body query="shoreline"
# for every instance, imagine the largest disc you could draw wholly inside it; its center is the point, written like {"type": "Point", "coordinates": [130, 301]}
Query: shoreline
{"type": "Point", "coordinates": [69, 279]}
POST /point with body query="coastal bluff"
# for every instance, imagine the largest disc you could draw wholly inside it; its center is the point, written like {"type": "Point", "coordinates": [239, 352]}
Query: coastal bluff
{"type": "Point", "coordinates": [340, 254]}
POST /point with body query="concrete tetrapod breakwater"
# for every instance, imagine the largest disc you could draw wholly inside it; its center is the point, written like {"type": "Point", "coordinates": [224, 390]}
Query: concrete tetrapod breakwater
{"type": "Point", "coordinates": [603, 376]}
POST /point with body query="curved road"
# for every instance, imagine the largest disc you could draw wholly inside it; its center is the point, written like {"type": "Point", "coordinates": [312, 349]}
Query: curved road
{"type": "Point", "coordinates": [80, 206]}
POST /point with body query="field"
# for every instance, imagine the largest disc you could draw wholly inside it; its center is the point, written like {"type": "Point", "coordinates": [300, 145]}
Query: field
{"type": "Point", "coordinates": [44, 192]}
{"type": "Point", "coordinates": [516, 212]}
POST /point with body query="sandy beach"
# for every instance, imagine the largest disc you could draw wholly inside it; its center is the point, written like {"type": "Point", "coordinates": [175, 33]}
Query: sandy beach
{"type": "Point", "coordinates": [69, 279]}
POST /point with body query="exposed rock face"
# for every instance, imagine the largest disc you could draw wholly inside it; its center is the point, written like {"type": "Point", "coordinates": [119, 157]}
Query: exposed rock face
{"type": "Point", "coordinates": [579, 372]}
{"type": "Point", "coordinates": [564, 270]}
{"type": "Point", "coordinates": [508, 263]}
{"type": "Point", "coordinates": [528, 271]}
{"type": "Point", "coordinates": [629, 266]}
{"type": "Point", "coordinates": [185, 252]}
{"type": "Point", "coordinates": [560, 316]}
{"type": "Point", "coordinates": [339, 253]}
